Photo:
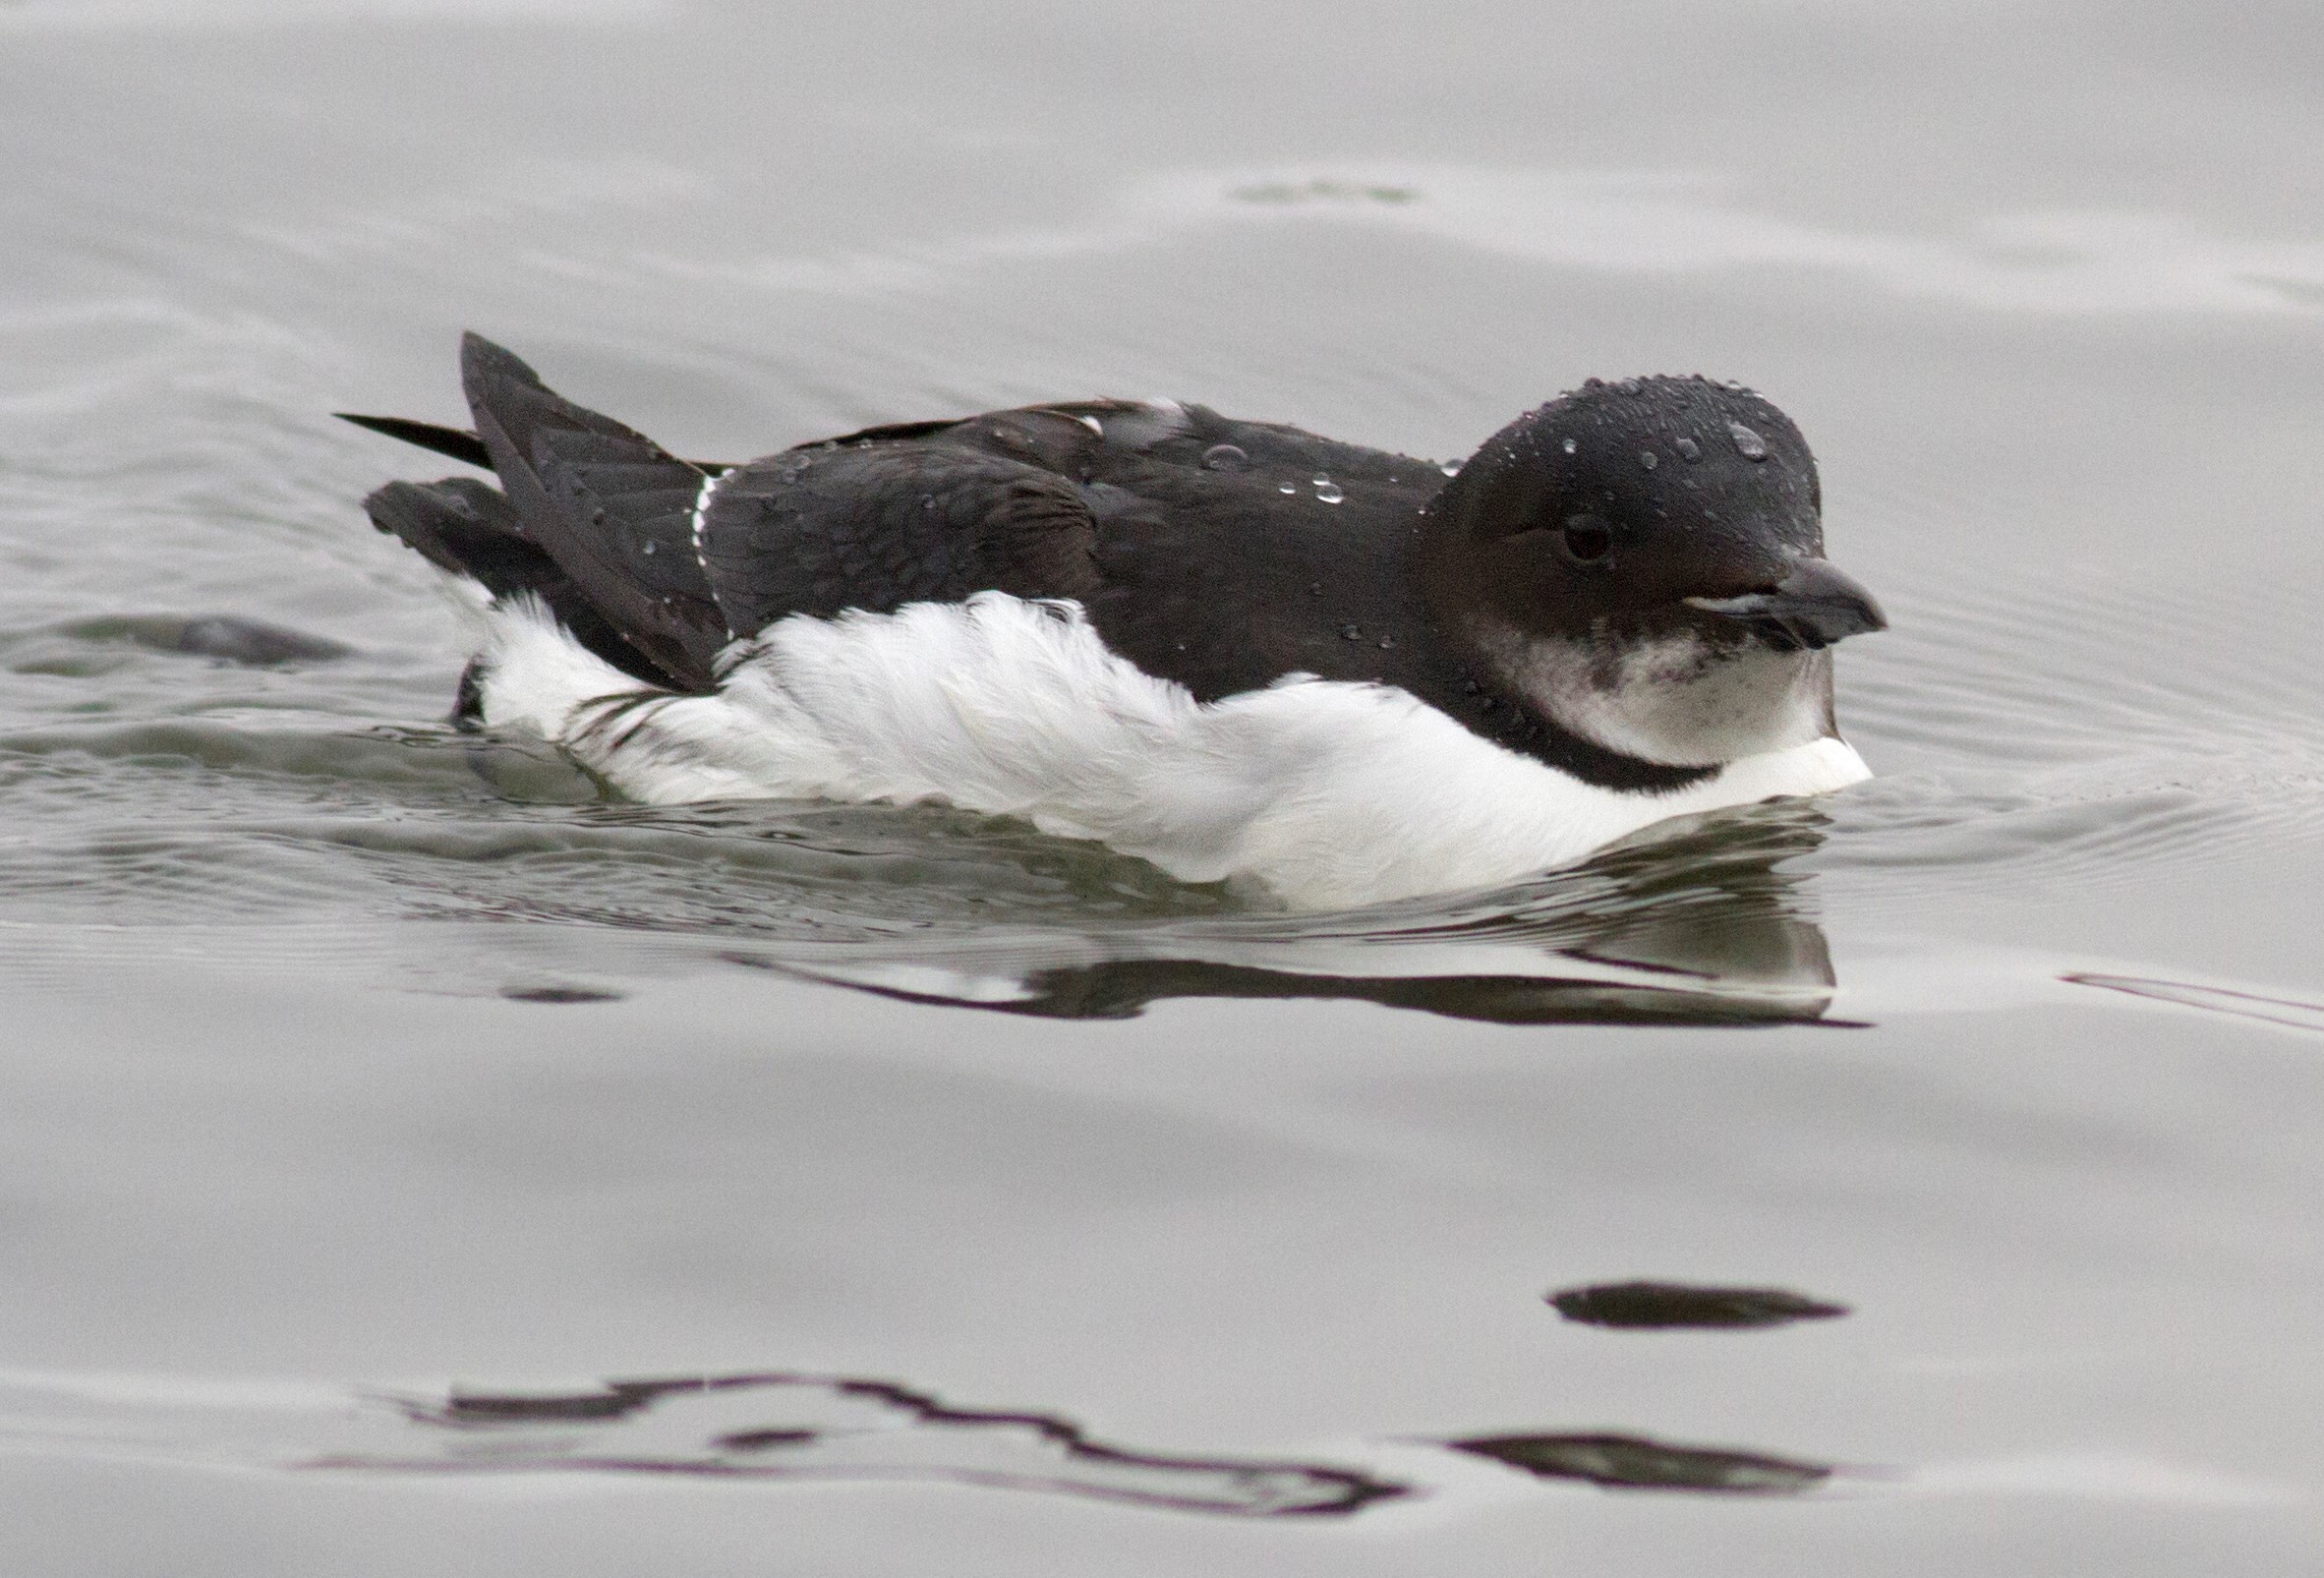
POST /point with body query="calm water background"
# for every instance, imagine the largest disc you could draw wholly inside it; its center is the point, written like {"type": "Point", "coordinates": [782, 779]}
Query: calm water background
{"type": "Point", "coordinates": [350, 1064]}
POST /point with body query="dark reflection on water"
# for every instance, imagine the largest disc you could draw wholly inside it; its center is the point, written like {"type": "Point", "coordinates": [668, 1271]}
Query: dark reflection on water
{"type": "Point", "coordinates": [785, 1427]}
{"type": "Point", "coordinates": [559, 994]}
{"type": "Point", "coordinates": [1636, 1463]}
{"type": "Point", "coordinates": [790, 1426]}
{"type": "Point", "coordinates": [224, 637]}
{"type": "Point", "coordinates": [2290, 1013]}
{"type": "Point", "coordinates": [1659, 1306]}
{"type": "Point", "coordinates": [1703, 926]}
{"type": "Point", "coordinates": [1125, 988]}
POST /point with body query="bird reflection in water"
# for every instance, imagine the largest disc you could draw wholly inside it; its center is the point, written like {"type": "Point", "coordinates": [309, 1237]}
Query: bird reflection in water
{"type": "Point", "coordinates": [1703, 926]}
{"type": "Point", "coordinates": [792, 1427]}
{"type": "Point", "coordinates": [1639, 1463]}
{"type": "Point", "coordinates": [786, 1427]}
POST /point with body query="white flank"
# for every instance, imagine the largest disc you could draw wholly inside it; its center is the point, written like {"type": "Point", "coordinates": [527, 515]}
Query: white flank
{"type": "Point", "coordinates": [1329, 794]}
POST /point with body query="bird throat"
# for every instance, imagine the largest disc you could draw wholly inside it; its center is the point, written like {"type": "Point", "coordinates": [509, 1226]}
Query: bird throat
{"type": "Point", "coordinates": [1675, 699]}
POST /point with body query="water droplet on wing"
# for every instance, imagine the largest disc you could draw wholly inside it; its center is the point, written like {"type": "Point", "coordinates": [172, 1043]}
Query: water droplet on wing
{"type": "Point", "coordinates": [1327, 492]}
{"type": "Point", "coordinates": [1225, 457]}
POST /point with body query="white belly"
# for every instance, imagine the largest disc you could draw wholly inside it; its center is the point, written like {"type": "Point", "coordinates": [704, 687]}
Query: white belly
{"type": "Point", "coordinates": [1327, 792]}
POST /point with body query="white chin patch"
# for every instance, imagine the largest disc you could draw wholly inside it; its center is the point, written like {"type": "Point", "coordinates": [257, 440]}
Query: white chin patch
{"type": "Point", "coordinates": [1677, 699]}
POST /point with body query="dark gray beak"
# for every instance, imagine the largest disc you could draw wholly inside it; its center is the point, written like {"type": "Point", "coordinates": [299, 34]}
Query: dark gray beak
{"type": "Point", "coordinates": [1812, 608]}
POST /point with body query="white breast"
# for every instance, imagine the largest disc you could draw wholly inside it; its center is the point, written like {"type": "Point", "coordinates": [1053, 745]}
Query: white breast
{"type": "Point", "coordinates": [1329, 794]}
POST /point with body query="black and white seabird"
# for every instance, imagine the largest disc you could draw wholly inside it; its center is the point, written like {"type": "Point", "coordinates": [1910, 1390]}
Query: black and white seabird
{"type": "Point", "coordinates": [1233, 647]}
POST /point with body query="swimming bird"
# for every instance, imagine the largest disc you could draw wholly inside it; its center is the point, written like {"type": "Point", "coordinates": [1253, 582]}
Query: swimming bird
{"type": "Point", "coordinates": [1236, 649]}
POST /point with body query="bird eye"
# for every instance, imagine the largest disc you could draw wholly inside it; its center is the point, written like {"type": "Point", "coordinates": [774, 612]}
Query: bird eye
{"type": "Point", "coordinates": [1586, 538]}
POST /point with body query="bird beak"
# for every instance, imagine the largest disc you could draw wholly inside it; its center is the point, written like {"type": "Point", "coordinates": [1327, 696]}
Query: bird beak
{"type": "Point", "coordinates": [1812, 608]}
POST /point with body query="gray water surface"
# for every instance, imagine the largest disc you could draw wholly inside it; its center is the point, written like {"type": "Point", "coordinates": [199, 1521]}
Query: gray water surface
{"type": "Point", "coordinates": [413, 1162]}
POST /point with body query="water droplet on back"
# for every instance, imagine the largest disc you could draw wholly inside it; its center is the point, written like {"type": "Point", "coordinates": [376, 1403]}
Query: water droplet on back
{"type": "Point", "coordinates": [1688, 450]}
{"type": "Point", "coordinates": [1750, 443]}
{"type": "Point", "coordinates": [647, 548]}
{"type": "Point", "coordinates": [1286, 487]}
{"type": "Point", "coordinates": [1327, 492]}
{"type": "Point", "coordinates": [1225, 457]}
{"type": "Point", "coordinates": [1570, 446]}
{"type": "Point", "coordinates": [1649, 459]}
{"type": "Point", "coordinates": [1631, 387]}
{"type": "Point", "coordinates": [1451, 468]}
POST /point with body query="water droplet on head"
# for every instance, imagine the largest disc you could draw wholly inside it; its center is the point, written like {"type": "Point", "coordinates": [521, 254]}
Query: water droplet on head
{"type": "Point", "coordinates": [1649, 459]}
{"type": "Point", "coordinates": [1225, 457]}
{"type": "Point", "coordinates": [1570, 446]}
{"type": "Point", "coordinates": [1750, 443]}
{"type": "Point", "coordinates": [1286, 487]}
{"type": "Point", "coordinates": [1688, 450]}
{"type": "Point", "coordinates": [1387, 643]}
{"type": "Point", "coordinates": [1327, 492]}
{"type": "Point", "coordinates": [1315, 589]}
{"type": "Point", "coordinates": [1451, 468]}
{"type": "Point", "coordinates": [647, 548]}
{"type": "Point", "coordinates": [1350, 633]}
{"type": "Point", "coordinates": [1593, 384]}
{"type": "Point", "coordinates": [1631, 387]}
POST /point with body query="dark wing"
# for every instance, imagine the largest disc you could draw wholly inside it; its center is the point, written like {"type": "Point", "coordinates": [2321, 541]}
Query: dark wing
{"type": "Point", "coordinates": [612, 508]}
{"type": "Point", "coordinates": [822, 530]}
{"type": "Point", "coordinates": [601, 522]}
{"type": "Point", "coordinates": [468, 527]}
{"type": "Point", "coordinates": [1216, 570]}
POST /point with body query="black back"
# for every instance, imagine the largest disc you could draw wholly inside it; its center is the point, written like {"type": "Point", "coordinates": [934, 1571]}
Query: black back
{"type": "Point", "coordinates": [1203, 549]}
